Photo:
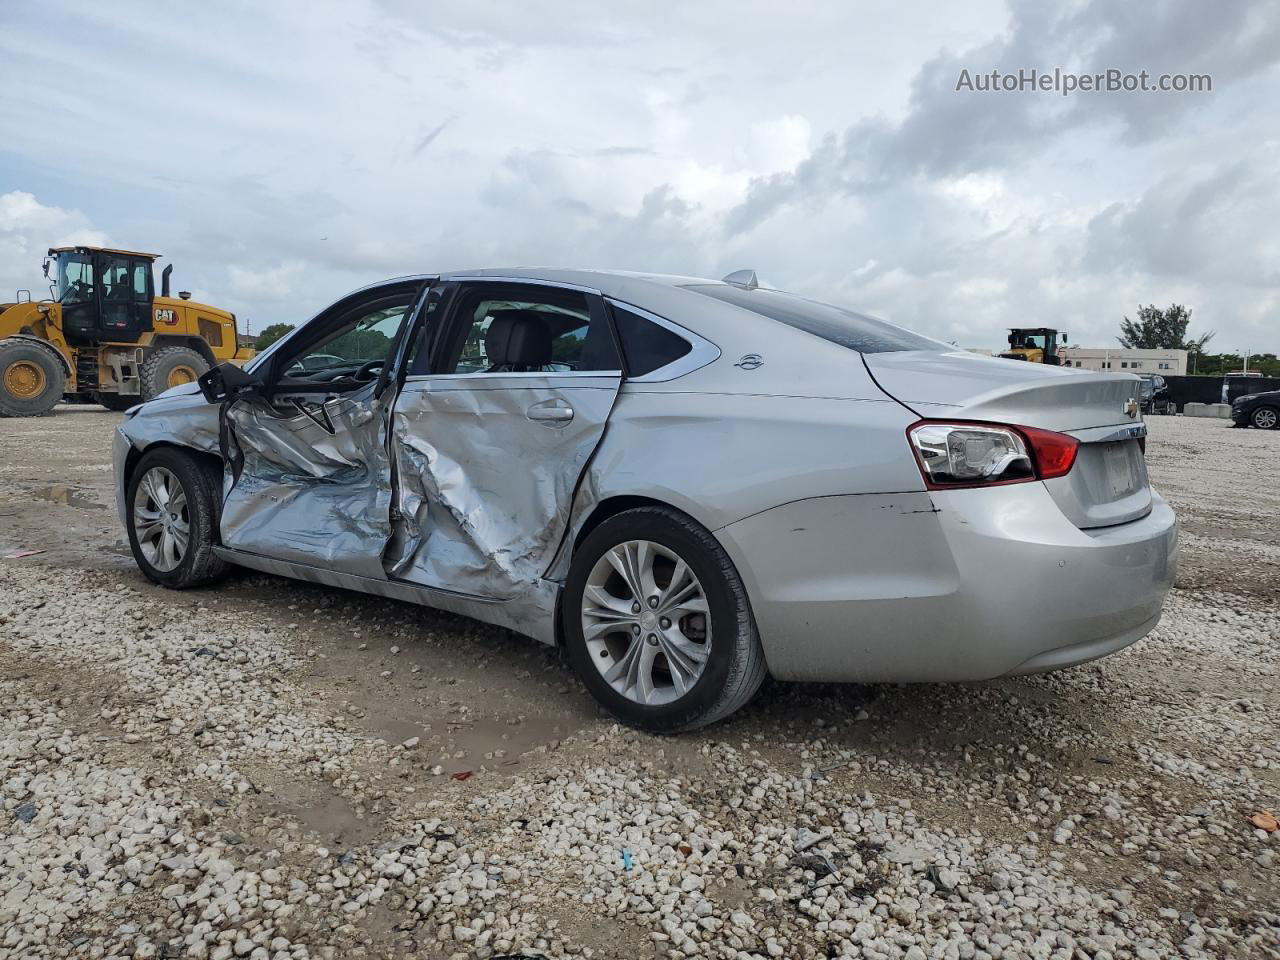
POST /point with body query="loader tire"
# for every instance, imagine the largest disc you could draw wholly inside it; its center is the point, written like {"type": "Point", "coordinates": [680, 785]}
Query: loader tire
{"type": "Point", "coordinates": [32, 378]}
{"type": "Point", "coordinates": [169, 367]}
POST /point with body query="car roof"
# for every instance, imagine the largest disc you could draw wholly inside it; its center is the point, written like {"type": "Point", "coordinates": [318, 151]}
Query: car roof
{"type": "Point", "coordinates": [665, 294]}
{"type": "Point", "coordinates": [606, 281]}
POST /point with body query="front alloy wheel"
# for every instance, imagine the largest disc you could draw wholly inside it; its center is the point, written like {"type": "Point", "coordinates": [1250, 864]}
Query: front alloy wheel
{"type": "Point", "coordinates": [172, 501]}
{"type": "Point", "coordinates": [1266, 418]}
{"type": "Point", "coordinates": [161, 520]}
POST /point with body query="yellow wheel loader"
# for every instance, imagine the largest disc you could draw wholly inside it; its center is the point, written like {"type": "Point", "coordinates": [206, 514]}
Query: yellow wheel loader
{"type": "Point", "coordinates": [1034, 344]}
{"type": "Point", "coordinates": [104, 336]}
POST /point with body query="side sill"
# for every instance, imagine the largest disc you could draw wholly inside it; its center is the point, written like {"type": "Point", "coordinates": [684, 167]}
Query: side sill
{"type": "Point", "coordinates": [500, 612]}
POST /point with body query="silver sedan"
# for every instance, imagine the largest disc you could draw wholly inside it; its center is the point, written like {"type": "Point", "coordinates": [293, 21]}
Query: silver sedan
{"type": "Point", "coordinates": [688, 483]}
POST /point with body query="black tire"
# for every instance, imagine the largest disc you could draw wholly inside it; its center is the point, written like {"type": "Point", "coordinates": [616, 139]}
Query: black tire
{"type": "Point", "coordinates": [735, 666]}
{"type": "Point", "coordinates": [32, 378]}
{"type": "Point", "coordinates": [116, 401]}
{"type": "Point", "coordinates": [162, 362]}
{"type": "Point", "coordinates": [201, 483]}
{"type": "Point", "coordinates": [1265, 418]}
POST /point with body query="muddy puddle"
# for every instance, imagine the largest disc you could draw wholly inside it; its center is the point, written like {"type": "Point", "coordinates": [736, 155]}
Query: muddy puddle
{"type": "Point", "coordinates": [69, 496]}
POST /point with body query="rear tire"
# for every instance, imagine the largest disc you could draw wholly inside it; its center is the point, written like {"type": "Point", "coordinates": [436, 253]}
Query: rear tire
{"type": "Point", "coordinates": [1265, 418]}
{"type": "Point", "coordinates": [171, 515]}
{"type": "Point", "coordinates": [32, 378]}
{"type": "Point", "coordinates": [167, 367]}
{"type": "Point", "coordinates": [728, 664]}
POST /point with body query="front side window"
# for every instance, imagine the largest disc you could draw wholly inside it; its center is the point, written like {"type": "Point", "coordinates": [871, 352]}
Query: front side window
{"type": "Point", "coordinates": [834, 324]}
{"type": "Point", "coordinates": [116, 278]}
{"type": "Point", "coordinates": [528, 330]}
{"type": "Point", "coordinates": [361, 345]}
{"type": "Point", "coordinates": [75, 278]}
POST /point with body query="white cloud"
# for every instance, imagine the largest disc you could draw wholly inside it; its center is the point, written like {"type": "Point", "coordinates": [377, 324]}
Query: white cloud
{"type": "Point", "coordinates": [272, 285]}
{"type": "Point", "coordinates": [28, 229]}
{"type": "Point", "coordinates": [290, 161]}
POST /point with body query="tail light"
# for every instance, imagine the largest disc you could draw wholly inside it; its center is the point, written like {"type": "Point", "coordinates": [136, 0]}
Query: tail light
{"type": "Point", "coordinates": [959, 454]}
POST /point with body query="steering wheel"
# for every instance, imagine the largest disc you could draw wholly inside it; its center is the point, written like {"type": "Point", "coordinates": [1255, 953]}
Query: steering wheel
{"type": "Point", "coordinates": [366, 369]}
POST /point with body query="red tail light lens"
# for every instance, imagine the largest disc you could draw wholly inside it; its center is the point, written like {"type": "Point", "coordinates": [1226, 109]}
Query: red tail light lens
{"type": "Point", "coordinates": [1054, 453]}
{"type": "Point", "coordinates": [960, 454]}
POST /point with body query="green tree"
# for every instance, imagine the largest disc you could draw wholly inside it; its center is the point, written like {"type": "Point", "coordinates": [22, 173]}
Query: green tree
{"type": "Point", "coordinates": [271, 333]}
{"type": "Point", "coordinates": [1217, 364]}
{"type": "Point", "coordinates": [1157, 329]}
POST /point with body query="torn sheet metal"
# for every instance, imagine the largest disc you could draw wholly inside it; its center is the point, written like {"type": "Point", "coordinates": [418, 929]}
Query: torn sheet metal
{"type": "Point", "coordinates": [298, 492]}
{"type": "Point", "coordinates": [484, 488]}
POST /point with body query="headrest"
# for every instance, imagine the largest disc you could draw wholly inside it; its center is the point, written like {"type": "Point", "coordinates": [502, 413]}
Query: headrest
{"type": "Point", "coordinates": [518, 339]}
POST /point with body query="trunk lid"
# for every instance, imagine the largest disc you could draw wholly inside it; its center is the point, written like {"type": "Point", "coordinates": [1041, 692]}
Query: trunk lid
{"type": "Point", "coordinates": [1107, 484]}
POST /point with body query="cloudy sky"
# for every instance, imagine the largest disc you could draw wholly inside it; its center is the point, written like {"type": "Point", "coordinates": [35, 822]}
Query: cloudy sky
{"type": "Point", "coordinates": [282, 154]}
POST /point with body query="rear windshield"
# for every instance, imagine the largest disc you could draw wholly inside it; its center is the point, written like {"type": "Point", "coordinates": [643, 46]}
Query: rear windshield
{"type": "Point", "coordinates": [839, 326]}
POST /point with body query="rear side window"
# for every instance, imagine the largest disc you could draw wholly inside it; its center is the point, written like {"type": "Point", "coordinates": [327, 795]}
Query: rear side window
{"type": "Point", "coordinates": [646, 345]}
{"type": "Point", "coordinates": [835, 324]}
{"type": "Point", "coordinates": [569, 339]}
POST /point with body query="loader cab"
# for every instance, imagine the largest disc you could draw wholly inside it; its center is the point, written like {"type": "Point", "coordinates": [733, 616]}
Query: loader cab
{"type": "Point", "coordinates": [106, 295]}
{"type": "Point", "coordinates": [1034, 344]}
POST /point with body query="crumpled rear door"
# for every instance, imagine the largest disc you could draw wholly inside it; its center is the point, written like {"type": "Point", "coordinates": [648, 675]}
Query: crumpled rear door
{"type": "Point", "coordinates": [312, 488]}
{"type": "Point", "coordinates": [486, 468]}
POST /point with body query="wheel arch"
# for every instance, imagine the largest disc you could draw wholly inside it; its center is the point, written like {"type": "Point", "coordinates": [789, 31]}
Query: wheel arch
{"type": "Point", "coordinates": [597, 514]}
{"type": "Point", "coordinates": [136, 453]}
{"type": "Point", "coordinates": [198, 344]}
{"type": "Point", "coordinates": [611, 507]}
{"type": "Point", "coordinates": [32, 338]}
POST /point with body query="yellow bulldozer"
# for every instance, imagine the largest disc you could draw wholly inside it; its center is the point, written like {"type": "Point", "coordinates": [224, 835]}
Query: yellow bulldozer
{"type": "Point", "coordinates": [1035, 345]}
{"type": "Point", "coordinates": [104, 336]}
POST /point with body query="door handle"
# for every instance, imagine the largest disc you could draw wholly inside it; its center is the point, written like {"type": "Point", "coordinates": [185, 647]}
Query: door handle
{"type": "Point", "coordinates": [550, 411]}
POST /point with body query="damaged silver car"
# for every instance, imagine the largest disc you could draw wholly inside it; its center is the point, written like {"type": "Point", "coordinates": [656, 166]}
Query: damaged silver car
{"type": "Point", "coordinates": [689, 484]}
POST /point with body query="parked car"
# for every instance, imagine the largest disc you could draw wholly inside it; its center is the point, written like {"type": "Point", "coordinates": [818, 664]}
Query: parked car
{"type": "Point", "coordinates": [1261, 410]}
{"type": "Point", "coordinates": [1154, 395]}
{"type": "Point", "coordinates": [687, 483]}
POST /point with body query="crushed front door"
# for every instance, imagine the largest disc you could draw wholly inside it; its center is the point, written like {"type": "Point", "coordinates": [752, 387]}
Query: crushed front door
{"type": "Point", "coordinates": [308, 477]}
{"type": "Point", "coordinates": [313, 488]}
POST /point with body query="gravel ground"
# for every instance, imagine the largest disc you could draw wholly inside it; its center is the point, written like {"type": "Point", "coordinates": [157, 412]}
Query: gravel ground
{"type": "Point", "coordinates": [278, 770]}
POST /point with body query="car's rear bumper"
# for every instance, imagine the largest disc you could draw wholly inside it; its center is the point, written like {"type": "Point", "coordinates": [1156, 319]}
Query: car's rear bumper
{"type": "Point", "coordinates": [954, 585]}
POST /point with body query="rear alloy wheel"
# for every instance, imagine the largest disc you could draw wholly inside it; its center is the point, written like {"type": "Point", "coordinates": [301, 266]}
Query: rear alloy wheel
{"type": "Point", "coordinates": [645, 622]}
{"type": "Point", "coordinates": [658, 624]}
{"type": "Point", "coordinates": [1266, 418]}
{"type": "Point", "coordinates": [32, 378]}
{"type": "Point", "coordinates": [172, 516]}
{"type": "Point", "coordinates": [168, 367]}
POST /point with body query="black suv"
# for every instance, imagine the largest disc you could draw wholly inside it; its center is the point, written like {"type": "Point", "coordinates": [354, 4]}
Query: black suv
{"type": "Point", "coordinates": [1261, 410]}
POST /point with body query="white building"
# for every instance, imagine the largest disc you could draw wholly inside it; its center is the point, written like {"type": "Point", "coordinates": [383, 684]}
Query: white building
{"type": "Point", "coordinates": [1170, 363]}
